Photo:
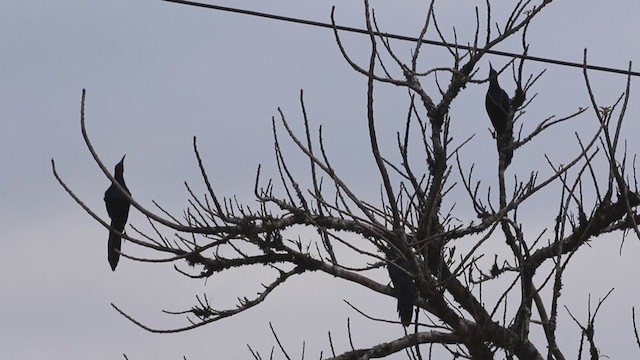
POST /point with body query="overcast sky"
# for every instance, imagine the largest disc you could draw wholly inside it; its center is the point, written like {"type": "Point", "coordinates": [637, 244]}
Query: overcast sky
{"type": "Point", "coordinates": [157, 74]}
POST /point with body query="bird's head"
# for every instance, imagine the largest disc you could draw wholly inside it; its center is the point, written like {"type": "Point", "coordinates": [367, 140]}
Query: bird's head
{"type": "Point", "coordinates": [120, 166]}
{"type": "Point", "coordinates": [492, 72]}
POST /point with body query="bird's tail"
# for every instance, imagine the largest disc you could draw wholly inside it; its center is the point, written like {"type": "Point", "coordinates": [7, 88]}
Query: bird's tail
{"type": "Point", "coordinates": [405, 309]}
{"type": "Point", "coordinates": [113, 249]}
{"type": "Point", "coordinates": [508, 155]}
{"type": "Point", "coordinates": [405, 289]}
{"type": "Point", "coordinates": [505, 149]}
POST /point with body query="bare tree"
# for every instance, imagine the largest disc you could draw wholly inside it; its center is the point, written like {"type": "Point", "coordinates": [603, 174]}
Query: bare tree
{"type": "Point", "coordinates": [413, 229]}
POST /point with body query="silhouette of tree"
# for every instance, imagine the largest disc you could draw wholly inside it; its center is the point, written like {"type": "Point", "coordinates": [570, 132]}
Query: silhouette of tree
{"type": "Point", "coordinates": [426, 246]}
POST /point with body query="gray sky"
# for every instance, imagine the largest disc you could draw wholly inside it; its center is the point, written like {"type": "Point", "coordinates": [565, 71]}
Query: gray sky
{"type": "Point", "coordinates": [157, 74]}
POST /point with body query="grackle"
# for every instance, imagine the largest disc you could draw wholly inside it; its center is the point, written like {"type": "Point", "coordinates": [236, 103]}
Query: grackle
{"type": "Point", "coordinates": [118, 210]}
{"type": "Point", "coordinates": [404, 288]}
{"type": "Point", "coordinates": [498, 107]}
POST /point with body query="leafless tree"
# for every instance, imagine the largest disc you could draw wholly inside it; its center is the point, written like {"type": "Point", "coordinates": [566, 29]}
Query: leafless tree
{"type": "Point", "coordinates": [413, 220]}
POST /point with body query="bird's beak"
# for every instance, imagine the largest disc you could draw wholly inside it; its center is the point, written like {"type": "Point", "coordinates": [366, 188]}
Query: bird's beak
{"type": "Point", "coordinates": [122, 160]}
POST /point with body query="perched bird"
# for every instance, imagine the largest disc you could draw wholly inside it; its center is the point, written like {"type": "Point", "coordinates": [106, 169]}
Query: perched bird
{"type": "Point", "coordinates": [118, 210]}
{"type": "Point", "coordinates": [404, 288]}
{"type": "Point", "coordinates": [498, 107]}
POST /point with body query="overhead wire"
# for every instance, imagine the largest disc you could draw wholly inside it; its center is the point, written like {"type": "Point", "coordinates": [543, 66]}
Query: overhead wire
{"type": "Point", "coordinates": [400, 37]}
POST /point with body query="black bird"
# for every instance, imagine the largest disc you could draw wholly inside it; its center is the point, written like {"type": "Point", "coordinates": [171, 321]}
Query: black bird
{"type": "Point", "coordinates": [498, 107]}
{"type": "Point", "coordinates": [404, 288]}
{"type": "Point", "coordinates": [118, 210]}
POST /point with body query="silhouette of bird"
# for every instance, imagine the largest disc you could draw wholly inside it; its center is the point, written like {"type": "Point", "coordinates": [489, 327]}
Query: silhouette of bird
{"type": "Point", "coordinates": [118, 209]}
{"type": "Point", "coordinates": [404, 288]}
{"type": "Point", "coordinates": [498, 106]}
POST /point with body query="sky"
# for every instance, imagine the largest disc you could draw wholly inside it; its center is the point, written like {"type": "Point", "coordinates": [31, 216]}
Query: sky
{"type": "Point", "coordinates": [157, 74]}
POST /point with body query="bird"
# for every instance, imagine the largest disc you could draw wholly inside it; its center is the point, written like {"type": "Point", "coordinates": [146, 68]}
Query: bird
{"type": "Point", "coordinates": [404, 288]}
{"type": "Point", "coordinates": [117, 205]}
{"type": "Point", "coordinates": [498, 107]}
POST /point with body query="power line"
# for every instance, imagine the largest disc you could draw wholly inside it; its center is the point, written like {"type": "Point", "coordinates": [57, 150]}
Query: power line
{"type": "Point", "coordinates": [399, 37]}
